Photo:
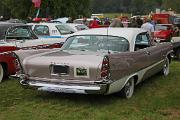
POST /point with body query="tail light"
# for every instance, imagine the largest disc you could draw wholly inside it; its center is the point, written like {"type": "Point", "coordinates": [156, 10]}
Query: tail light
{"type": "Point", "coordinates": [105, 70]}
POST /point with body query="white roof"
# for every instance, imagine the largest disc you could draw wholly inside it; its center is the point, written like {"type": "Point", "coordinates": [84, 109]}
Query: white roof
{"type": "Point", "coordinates": [128, 33]}
{"type": "Point", "coordinates": [44, 23]}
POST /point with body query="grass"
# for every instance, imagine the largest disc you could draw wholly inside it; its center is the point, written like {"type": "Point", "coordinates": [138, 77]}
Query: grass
{"type": "Point", "coordinates": [157, 98]}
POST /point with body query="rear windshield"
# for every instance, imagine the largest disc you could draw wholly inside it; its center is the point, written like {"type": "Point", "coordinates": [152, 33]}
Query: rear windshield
{"type": "Point", "coordinates": [97, 43]}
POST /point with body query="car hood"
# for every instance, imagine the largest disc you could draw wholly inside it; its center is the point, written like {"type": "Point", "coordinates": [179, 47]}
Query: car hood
{"type": "Point", "coordinates": [40, 66]}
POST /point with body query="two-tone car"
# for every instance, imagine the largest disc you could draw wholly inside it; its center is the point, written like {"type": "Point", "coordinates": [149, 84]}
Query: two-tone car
{"type": "Point", "coordinates": [96, 61]}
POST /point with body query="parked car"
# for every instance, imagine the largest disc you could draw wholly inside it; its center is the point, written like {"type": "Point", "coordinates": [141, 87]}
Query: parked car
{"type": "Point", "coordinates": [96, 61]}
{"type": "Point", "coordinates": [15, 36]}
{"type": "Point", "coordinates": [56, 30]}
{"type": "Point", "coordinates": [89, 22]}
{"type": "Point", "coordinates": [164, 32]}
{"type": "Point", "coordinates": [22, 37]}
{"type": "Point", "coordinates": [8, 63]}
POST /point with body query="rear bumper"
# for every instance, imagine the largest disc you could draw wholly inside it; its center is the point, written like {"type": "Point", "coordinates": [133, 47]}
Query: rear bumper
{"type": "Point", "coordinates": [97, 88]}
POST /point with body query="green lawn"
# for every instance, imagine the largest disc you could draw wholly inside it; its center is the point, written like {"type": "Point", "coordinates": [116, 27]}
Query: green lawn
{"type": "Point", "coordinates": [157, 98]}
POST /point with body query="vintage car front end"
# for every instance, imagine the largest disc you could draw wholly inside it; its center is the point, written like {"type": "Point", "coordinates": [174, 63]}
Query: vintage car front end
{"type": "Point", "coordinates": [67, 73]}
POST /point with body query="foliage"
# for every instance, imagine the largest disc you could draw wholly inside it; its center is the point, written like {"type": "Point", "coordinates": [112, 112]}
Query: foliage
{"type": "Point", "coordinates": [49, 8]}
{"type": "Point", "coordinates": [133, 6]}
{"type": "Point", "coordinates": [73, 8]}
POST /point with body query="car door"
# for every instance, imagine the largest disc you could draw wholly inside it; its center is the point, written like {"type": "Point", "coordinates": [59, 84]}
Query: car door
{"type": "Point", "coordinates": [153, 53]}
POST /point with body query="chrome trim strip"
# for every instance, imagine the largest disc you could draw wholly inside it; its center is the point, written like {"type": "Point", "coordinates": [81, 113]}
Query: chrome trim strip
{"type": "Point", "coordinates": [63, 80]}
{"type": "Point", "coordinates": [64, 86]}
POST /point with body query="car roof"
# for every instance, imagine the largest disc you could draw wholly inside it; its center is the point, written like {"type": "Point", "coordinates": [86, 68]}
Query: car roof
{"type": "Point", "coordinates": [73, 24]}
{"type": "Point", "coordinates": [10, 24]}
{"type": "Point", "coordinates": [44, 23]}
{"type": "Point", "coordinates": [127, 33]}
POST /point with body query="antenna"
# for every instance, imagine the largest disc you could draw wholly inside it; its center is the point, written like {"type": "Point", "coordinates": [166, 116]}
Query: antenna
{"type": "Point", "coordinates": [108, 40]}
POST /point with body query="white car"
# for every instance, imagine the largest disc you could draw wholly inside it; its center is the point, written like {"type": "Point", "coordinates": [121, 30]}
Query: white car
{"type": "Point", "coordinates": [22, 37]}
{"type": "Point", "coordinates": [56, 30]}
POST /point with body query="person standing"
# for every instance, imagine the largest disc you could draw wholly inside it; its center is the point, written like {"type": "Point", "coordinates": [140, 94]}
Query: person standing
{"type": "Point", "coordinates": [116, 23]}
{"type": "Point", "coordinates": [94, 24]}
{"type": "Point", "coordinates": [85, 22]}
{"type": "Point", "coordinates": [149, 27]}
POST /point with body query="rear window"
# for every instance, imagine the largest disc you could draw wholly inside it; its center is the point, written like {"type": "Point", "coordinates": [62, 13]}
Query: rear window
{"type": "Point", "coordinates": [97, 43]}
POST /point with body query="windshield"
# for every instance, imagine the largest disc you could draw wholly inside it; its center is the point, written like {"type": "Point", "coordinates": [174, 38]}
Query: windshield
{"type": "Point", "coordinates": [160, 27]}
{"type": "Point", "coordinates": [97, 43]}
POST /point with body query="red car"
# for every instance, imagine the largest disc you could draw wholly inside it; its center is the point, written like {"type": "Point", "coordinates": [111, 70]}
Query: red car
{"type": "Point", "coordinates": [8, 62]}
{"type": "Point", "coordinates": [164, 32]}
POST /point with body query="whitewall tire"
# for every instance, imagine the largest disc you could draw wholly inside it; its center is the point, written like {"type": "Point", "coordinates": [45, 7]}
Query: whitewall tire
{"type": "Point", "coordinates": [128, 89]}
{"type": "Point", "coordinates": [165, 70]}
{"type": "Point", "coordinates": [1, 73]}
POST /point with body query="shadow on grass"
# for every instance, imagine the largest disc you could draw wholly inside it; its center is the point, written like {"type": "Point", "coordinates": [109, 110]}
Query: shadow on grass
{"type": "Point", "coordinates": [100, 99]}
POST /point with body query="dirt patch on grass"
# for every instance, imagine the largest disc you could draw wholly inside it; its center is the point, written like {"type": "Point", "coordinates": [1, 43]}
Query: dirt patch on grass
{"type": "Point", "coordinates": [171, 114]}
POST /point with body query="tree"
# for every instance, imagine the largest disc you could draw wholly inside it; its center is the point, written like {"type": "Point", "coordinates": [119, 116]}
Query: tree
{"type": "Point", "coordinates": [17, 8]}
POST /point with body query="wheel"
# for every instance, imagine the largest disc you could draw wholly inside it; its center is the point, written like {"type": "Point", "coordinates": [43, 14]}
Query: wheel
{"type": "Point", "coordinates": [128, 89]}
{"type": "Point", "coordinates": [165, 70]}
{"type": "Point", "coordinates": [1, 73]}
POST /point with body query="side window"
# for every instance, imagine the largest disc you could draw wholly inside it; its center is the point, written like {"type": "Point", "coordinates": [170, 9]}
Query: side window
{"type": "Point", "coordinates": [41, 30]}
{"type": "Point", "coordinates": [63, 29]}
{"type": "Point", "coordinates": [142, 41]}
{"type": "Point", "coordinates": [19, 31]}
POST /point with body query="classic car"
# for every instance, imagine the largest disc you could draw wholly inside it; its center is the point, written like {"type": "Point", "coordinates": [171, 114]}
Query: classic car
{"type": "Point", "coordinates": [15, 36]}
{"type": "Point", "coordinates": [8, 63]}
{"type": "Point", "coordinates": [96, 61]}
{"type": "Point", "coordinates": [56, 30]}
{"type": "Point", "coordinates": [164, 32]}
{"type": "Point", "coordinates": [22, 36]}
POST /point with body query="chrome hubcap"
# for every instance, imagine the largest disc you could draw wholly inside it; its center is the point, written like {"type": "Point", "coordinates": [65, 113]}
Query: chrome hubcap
{"type": "Point", "coordinates": [129, 88]}
{"type": "Point", "coordinates": [1, 73]}
{"type": "Point", "coordinates": [166, 68]}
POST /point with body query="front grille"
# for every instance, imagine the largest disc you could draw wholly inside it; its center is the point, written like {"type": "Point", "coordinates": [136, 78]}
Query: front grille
{"type": "Point", "coordinates": [60, 69]}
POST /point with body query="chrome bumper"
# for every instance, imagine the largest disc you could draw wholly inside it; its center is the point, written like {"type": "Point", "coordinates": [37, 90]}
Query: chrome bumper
{"type": "Point", "coordinates": [99, 88]}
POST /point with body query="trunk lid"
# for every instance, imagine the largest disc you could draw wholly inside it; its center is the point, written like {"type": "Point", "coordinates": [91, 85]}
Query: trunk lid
{"type": "Point", "coordinates": [61, 65]}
